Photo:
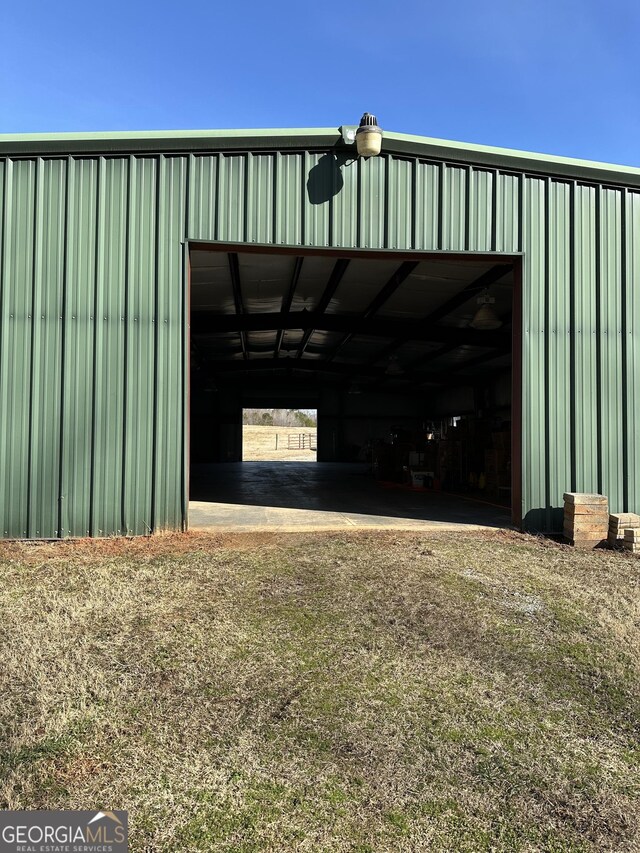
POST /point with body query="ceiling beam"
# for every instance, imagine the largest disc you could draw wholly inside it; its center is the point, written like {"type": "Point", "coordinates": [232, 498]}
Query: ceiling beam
{"type": "Point", "coordinates": [288, 299]}
{"type": "Point", "coordinates": [475, 287]}
{"type": "Point", "coordinates": [234, 270]}
{"type": "Point", "coordinates": [338, 271]}
{"type": "Point", "coordinates": [402, 273]}
{"type": "Point", "coordinates": [501, 349]}
{"type": "Point", "coordinates": [481, 283]}
{"type": "Point", "coordinates": [205, 324]}
{"type": "Point", "coordinates": [289, 365]}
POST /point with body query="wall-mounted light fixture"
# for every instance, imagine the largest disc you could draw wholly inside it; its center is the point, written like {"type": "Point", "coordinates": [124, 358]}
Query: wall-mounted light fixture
{"type": "Point", "coordinates": [367, 137]}
{"type": "Point", "coordinates": [485, 318]}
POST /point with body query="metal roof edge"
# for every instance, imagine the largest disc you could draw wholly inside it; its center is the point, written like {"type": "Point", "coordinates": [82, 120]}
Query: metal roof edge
{"type": "Point", "coordinates": [513, 159]}
{"type": "Point", "coordinates": [180, 141]}
{"type": "Point", "coordinates": [160, 141]}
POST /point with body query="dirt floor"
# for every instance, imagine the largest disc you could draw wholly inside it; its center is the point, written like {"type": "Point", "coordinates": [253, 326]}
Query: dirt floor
{"type": "Point", "coordinates": [371, 692]}
{"type": "Point", "coordinates": [271, 444]}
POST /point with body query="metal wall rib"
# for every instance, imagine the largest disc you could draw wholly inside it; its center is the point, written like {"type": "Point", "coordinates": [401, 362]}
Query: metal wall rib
{"type": "Point", "coordinates": [632, 329]}
{"type": "Point", "coordinates": [92, 314]}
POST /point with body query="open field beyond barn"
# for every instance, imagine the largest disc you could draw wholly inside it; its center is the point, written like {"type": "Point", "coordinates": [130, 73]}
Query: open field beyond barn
{"type": "Point", "coordinates": [354, 692]}
{"type": "Point", "coordinates": [272, 444]}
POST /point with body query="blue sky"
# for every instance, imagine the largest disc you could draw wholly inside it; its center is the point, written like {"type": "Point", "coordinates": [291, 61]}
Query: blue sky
{"type": "Point", "coordinates": [556, 76]}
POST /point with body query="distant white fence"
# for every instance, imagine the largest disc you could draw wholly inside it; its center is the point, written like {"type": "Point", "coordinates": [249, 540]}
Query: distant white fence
{"type": "Point", "coordinates": [302, 441]}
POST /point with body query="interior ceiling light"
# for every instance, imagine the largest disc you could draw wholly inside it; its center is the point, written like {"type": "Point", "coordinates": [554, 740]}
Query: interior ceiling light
{"type": "Point", "coordinates": [485, 319]}
{"type": "Point", "coordinates": [394, 368]}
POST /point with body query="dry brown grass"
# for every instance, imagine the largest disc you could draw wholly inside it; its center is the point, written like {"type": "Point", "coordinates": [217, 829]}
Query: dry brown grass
{"type": "Point", "coordinates": [360, 692]}
{"type": "Point", "coordinates": [259, 444]}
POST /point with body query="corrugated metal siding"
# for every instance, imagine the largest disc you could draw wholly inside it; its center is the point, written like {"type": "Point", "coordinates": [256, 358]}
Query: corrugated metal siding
{"type": "Point", "coordinates": [558, 330]}
{"type": "Point", "coordinates": [632, 311]}
{"type": "Point", "coordinates": [16, 344]}
{"type": "Point", "coordinates": [585, 412]}
{"type": "Point", "coordinates": [427, 206]}
{"type": "Point", "coordinates": [169, 481]}
{"type": "Point", "coordinates": [77, 380]}
{"type": "Point", "coordinates": [92, 314]}
{"type": "Point", "coordinates": [92, 346]}
{"type": "Point", "coordinates": [610, 379]}
{"type": "Point", "coordinates": [535, 388]}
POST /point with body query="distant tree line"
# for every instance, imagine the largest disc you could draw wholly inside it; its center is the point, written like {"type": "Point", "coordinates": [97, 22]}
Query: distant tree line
{"type": "Point", "coordinates": [279, 417]}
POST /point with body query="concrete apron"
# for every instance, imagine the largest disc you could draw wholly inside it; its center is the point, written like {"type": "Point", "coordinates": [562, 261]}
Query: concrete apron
{"type": "Point", "coordinates": [298, 497]}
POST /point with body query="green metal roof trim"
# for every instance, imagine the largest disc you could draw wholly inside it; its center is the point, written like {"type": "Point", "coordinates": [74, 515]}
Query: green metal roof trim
{"type": "Point", "coordinates": [177, 141]}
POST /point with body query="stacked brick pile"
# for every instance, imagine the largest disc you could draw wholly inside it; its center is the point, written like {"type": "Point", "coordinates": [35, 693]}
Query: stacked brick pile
{"type": "Point", "coordinates": [618, 523]}
{"type": "Point", "coordinates": [586, 519]}
{"type": "Point", "coordinates": [632, 540]}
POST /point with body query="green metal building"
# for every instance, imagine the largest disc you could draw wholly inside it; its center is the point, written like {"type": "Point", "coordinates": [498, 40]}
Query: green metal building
{"type": "Point", "coordinates": [106, 238]}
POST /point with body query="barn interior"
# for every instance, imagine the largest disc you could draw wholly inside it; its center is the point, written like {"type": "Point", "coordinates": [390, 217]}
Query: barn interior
{"type": "Point", "coordinates": [408, 361]}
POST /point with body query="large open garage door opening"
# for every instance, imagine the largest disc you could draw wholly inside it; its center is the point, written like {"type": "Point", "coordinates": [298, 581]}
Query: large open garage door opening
{"type": "Point", "coordinates": [411, 362]}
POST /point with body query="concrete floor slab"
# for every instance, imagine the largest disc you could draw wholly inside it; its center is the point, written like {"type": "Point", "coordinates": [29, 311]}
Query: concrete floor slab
{"type": "Point", "coordinates": [299, 496]}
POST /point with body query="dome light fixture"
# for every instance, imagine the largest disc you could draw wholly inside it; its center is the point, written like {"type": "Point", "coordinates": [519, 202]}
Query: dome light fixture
{"type": "Point", "coordinates": [368, 136]}
{"type": "Point", "coordinates": [485, 319]}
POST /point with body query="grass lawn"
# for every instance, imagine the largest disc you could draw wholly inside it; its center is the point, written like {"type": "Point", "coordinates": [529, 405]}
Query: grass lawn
{"type": "Point", "coordinates": [345, 692]}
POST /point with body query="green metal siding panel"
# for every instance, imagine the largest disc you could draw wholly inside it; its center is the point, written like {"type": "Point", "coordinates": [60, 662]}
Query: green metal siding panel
{"type": "Point", "coordinates": [507, 217]}
{"type": "Point", "coordinates": [139, 353]}
{"type": "Point", "coordinates": [453, 208]}
{"type": "Point", "coordinates": [203, 202]}
{"type": "Point", "coordinates": [290, 193]}
{"type": "Point", "coordinates": [16, 345]}
{"type": "Point", "coordinates": [427, 190]}
{"type": "Point", "coordinates": [109, 378]}
{"type": "Point", "coordinates": [320, 179]}
{"type": "Point", "coordinates": [534, 429]}
{"type": "Point", "coordinates": [585, 331]}
{"type": "Point", "coordinates": [373, 177]}
{"type": "Point", "coordinates": [4, 168]}
{"type": "Point", "coordinates": [169, 410]}
{"type": "Point", "coordinates": [611, 425]}
{"type": "Point", "coordinates": [259, 193]}
{"type": "Point", "coordinates": [79, 325]}
{"type": "Point", "coordinates": [48, 289]}
{"type": "Point", "coordinates": [558, 331]}
{"type": "Point", "coordinates": [344, 207]}
{"type": "Point", "coordinates": [400, 211]}
{"type": "Point", "coordinates": [481, 209]}
{"type": "Point", "coordinates": [632, 378]}
{"type": "Point", "coordinates": [232, 185]}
